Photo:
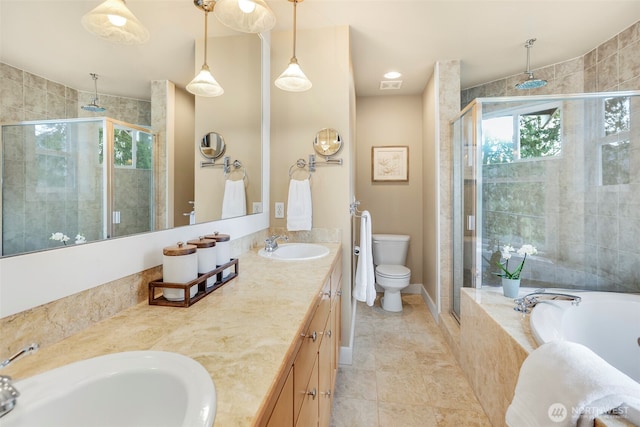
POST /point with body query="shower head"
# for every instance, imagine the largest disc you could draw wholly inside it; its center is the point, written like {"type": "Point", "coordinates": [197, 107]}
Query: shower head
{"type": "Point", "coordinates": [93, 106]}
{"type": "Point", "coordinates": [531, 82]}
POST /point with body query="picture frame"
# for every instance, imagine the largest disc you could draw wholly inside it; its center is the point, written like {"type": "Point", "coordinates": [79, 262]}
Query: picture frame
{"type": "Point", "coordinates": [390, 163]}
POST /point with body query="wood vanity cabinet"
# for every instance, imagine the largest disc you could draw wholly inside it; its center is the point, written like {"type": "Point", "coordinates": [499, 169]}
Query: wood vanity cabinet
{"type": "Point", "coordinates": [306, 396]}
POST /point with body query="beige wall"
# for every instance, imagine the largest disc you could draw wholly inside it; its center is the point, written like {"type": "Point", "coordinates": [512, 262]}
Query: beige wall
{"type": "Point", "coordinates": [323, 55]}
{"type": "Point", "coordinates": [237, 115]}
{"type": "Point", "coordinates": [395, 207]}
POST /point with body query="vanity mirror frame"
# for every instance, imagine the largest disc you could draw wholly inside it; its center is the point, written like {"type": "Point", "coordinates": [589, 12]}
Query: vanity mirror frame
{"type": "Point", "coordinates": [206, 149]}
{"type": "Point", "coordinates": [77, 268]}
{"type": "Point", "coordinates": [327, 142]}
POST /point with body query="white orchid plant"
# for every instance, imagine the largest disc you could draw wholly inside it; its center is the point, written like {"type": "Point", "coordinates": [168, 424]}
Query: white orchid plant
{"type": "Point", "coordinates": [61, 237]}
{"type": "Point", "coordinates": [506, 251]}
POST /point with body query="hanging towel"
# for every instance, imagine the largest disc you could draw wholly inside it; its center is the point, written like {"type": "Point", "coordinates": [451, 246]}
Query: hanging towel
{"type": "Point", "coordinates": [299, 208]}
{"type": "Point", "coordinates": [365, 289]}
{"type": "Point", "coordinates": [563, 383]}
{"type": "Point", "coordinates": [234, 201]}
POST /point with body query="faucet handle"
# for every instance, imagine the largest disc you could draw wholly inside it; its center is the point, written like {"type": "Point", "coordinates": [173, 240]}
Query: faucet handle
{"type": "Point", "coordinates": [8, 395]}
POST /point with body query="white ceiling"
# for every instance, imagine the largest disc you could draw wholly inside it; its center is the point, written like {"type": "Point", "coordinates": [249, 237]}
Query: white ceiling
{"type": "Point", "coordinates": [46, 38]}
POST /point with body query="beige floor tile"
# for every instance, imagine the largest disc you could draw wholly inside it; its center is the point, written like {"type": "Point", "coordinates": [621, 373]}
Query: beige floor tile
{"type": "Point", "coordinates": [403, 374]}
{"type": "Point", "coordinates": [354, 413]}
{"type": "Point", "coordinates": [355, 383]}
{"type": "Point", "coordinates": [461, 417]}
{"type": "Point", "coordinates": [402, 415]}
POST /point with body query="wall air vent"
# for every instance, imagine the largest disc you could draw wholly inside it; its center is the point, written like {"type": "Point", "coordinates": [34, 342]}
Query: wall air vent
{"type": "Point", "coordinates": [390, 84]}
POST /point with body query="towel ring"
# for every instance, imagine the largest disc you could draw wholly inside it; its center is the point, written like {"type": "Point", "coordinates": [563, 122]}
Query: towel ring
{"type": "Point", "coordinates": [236, 165]}
{"type": "Point", "coordinates": [300, 164]}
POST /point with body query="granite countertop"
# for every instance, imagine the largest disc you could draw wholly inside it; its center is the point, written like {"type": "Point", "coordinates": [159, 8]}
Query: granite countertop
{"type": "Point", "coordinates": [241, 333]}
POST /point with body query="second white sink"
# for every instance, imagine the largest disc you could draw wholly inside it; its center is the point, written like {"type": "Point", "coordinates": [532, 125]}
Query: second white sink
{"type": "Point", "coordinates": [129, 389]}
{"type": "Point", "coordinates": [296, 252]}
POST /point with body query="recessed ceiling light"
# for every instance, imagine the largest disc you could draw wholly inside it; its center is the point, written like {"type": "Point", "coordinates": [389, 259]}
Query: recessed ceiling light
{"type": "Point", "coordinates": [392, 75]}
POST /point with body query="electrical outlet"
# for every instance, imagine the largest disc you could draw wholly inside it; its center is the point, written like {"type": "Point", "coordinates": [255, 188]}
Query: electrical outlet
{"type": "Point", "coordinates": [256, 207]}
{"type": "Point", "coordinates": [279, 210]}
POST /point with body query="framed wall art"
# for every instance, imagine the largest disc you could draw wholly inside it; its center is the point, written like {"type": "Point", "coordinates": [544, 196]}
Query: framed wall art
{"type": "Point", "coordinates": [390, 164]}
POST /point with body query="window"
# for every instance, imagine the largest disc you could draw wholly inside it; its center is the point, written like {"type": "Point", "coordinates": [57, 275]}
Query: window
{"type": "Point", "coordinates": [522, 134]}
{"type": "Point", "coordinates": [55, 159]}
{"type": "Point", "coordinates": [615, 145]}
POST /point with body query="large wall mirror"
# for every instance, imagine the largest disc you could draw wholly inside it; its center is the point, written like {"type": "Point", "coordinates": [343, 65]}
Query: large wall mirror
{"type": "Point", "coordinates": [45, 63]}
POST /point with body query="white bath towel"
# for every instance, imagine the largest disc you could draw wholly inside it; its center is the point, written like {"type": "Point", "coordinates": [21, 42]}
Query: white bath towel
{"type": "Point", "coordinates": [234, 201]}
{"type": "Point", "coordinates": [299, 207]}
{"type": "Point", "coordinates": [562, 383]}
{"type": "Point", "coordinates": [365, 288]}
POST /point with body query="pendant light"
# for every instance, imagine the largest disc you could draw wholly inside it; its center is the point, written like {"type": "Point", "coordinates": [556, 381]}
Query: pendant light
{"type": "Point", "coordinates": [531, 82]}
{"type": "Point", "coordinates": [247, 16]}
{"type": "Point", "coordinates": [203, 84]}
{"type": "Point", "coordinates": [93, 106]}
{"type": "Point", "coordinates": [113, 21]}
{"type": "Point", "coordinates": [293, 79]}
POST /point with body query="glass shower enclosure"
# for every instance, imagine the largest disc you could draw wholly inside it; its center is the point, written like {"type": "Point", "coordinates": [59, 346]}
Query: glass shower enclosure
{"type": "Point", "coordinates": [559, 172]}
{"type": "Point", "coordinates": [87, 179]}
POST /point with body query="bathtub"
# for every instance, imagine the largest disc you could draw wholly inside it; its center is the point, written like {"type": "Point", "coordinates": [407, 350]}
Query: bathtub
{"type": "Point", "coordinates": [608, 323]}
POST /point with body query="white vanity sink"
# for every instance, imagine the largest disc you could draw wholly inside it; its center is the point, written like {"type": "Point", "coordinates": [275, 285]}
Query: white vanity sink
{"type": "Point", "coordinates": [296, 252]}
{"type": "Point", "coordinates": [129, 389]}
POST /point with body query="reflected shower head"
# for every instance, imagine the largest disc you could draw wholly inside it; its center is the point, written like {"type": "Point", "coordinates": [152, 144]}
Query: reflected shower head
{"type": "Point", "coordinates": [93, 106]}
{"type": "Point", "coordinates": [531, 82]}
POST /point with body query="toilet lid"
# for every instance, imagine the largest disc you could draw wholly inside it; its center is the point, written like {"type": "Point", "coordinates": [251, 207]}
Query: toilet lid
{"type": "Point", "coordinates": [397, 271]}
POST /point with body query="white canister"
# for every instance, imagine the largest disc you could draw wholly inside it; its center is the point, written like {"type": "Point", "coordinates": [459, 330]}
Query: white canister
{"type": "Point", "coordinates": [223, 250]}
{"type": "Point", "coordinates": [179, 265]}
{"type": "Point", "coordinates": [207, 258]}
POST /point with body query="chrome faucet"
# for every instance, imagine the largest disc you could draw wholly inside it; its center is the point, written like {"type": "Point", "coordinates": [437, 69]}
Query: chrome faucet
{"type": "Point", "coordinates": [8, 394]}
{"type": "Point", "coordinates": [271, 243]}
{"type": "Point", "coordinates": [527, 302]}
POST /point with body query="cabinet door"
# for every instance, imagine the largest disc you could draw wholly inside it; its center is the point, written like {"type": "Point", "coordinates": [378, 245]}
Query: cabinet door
{"type": "Point", "coordinates": [336, 333]}
{"type": "Point", "coordinates": [325, 374]}
{"type": "Point", "coordinates": [308, 416]}
{"type": "Point", "coordinates": [282, 415]}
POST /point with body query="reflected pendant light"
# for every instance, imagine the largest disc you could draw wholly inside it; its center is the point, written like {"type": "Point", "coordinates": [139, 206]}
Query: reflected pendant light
{"type": "Point", "coordinates": [531, 82]}
{"type": "Point", "coordinates": [113, 21]}
{"type": "Point", "coordinates": [203, 84]}
{"type": "Point", "coordinates": [247, 16]}
{"type": "Point", "coordinates": [293, 79]}
{"type": "Point", "coordinates": [93, 106]}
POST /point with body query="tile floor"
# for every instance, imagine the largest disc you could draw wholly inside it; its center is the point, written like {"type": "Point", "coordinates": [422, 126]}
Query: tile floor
{"type": "Point", "coordinates": [403, 374]}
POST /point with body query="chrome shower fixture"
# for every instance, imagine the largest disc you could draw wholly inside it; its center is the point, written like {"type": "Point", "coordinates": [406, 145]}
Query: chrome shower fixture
{"type": "Point", "coordinates": [93, 106]}
{"type": "Point", "coordinates": [531, 82]}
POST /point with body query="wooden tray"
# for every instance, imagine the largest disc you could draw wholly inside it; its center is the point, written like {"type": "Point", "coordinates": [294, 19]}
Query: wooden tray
{"type": "Point", "coordinates": [201, 281]}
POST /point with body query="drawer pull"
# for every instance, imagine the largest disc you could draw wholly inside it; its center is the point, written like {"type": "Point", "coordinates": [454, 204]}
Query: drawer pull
{"type": "Point", "coordinates": [313, 394]}
{"type": "Point", "coordinates": [314, 335]}
{"type": "Point", "coordinates": [339, 293]}
{"type": "Point", "coordinates": [327, 294]}
{"type": "Point", "coordinates": [329, 333]}
{"type": "Point", "coordinates": [326, 393]}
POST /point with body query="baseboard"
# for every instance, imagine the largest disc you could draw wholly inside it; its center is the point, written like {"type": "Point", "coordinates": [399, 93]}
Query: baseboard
{"type": "Point", "coordinates": [431, 305]}
{"type": "Point", "coordinates": [346, 352]}
{"type": "Point", "coordinates": [414, 288]}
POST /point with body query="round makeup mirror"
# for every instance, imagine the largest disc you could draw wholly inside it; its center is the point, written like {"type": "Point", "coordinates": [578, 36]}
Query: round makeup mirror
{"type": "Point", "coordinates": [327, 142]}
{"type": "Point", "coordinates": [212, 145]}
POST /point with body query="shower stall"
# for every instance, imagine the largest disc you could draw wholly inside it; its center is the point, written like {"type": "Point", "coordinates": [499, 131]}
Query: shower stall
{"type": "Point", "coordinates": [559, 172]}
{"type": "Point", "coordinates": [88, 179]}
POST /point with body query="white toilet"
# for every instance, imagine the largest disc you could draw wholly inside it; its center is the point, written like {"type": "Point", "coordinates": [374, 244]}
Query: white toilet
{"type": "Point", "coordinates": [389, 256]}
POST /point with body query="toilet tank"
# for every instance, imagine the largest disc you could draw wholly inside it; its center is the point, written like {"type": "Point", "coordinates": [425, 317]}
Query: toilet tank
{"type": "Point", "coordinates": [390, 248]}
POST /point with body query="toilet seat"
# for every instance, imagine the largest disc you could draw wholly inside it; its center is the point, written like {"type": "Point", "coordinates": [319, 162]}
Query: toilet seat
{"type": "Point", "coordinates": [389, 271]}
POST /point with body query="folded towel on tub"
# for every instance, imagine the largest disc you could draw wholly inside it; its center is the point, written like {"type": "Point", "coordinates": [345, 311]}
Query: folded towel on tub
{"type": "Point", "coordinates": [562, 383]}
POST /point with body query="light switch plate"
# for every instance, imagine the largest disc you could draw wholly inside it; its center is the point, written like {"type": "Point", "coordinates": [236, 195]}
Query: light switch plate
{"type": "Point", "coordinates": [279, 210]}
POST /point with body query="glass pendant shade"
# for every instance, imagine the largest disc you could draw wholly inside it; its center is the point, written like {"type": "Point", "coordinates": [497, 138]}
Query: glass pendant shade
{"type": "Point", "coordinates": [247, 16]}
{"type": "Point", "coordinates": [113, 21]}
{"type": "Point", "coordinates": [293, 79]}
{"type": "Point", "coordinates": [203, 84]}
